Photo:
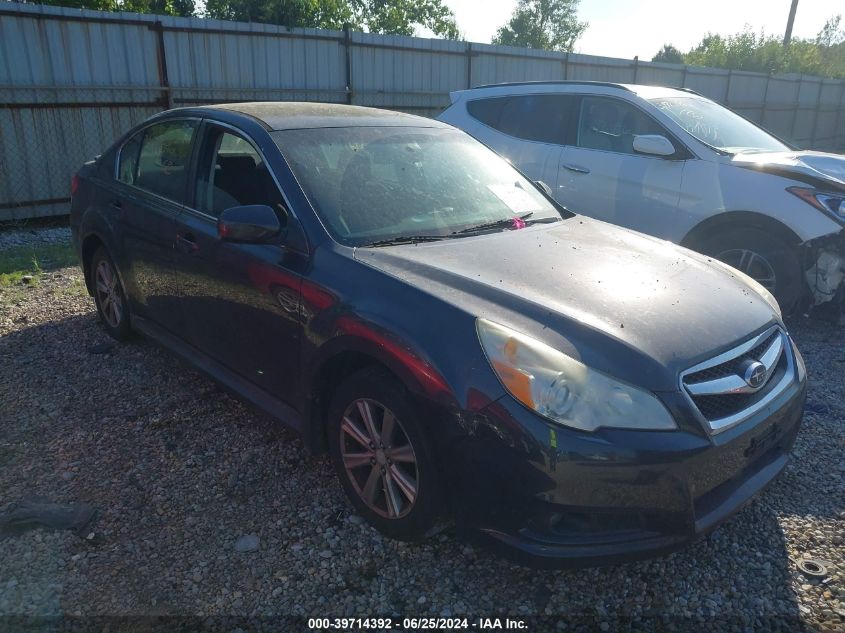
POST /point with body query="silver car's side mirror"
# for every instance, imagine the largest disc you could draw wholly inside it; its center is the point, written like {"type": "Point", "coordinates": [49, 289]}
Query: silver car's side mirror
{"type": "Point", "coordinates": [653, 145]}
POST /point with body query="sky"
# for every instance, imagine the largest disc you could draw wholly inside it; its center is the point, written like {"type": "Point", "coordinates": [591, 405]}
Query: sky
{"type": "Point", "coordinates": [625, 28]}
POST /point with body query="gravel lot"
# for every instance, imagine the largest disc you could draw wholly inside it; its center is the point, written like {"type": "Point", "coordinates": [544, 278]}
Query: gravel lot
{"type": "Point", "coordinates": [179, 473]}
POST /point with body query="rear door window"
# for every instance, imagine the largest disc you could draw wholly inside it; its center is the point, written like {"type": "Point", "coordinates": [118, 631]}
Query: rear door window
{"type": "Point", "coordinates": [542, 118]}
{"type": "Point", "coordinates": [164, 159]}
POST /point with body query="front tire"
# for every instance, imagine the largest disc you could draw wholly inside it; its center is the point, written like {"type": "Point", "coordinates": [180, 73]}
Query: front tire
{"type": "Point", "coordinates": [109, 296]}
{"type": "Point", "coordinates": [764, 257]}
{"type": "Point", "coordinates": [383, 457]}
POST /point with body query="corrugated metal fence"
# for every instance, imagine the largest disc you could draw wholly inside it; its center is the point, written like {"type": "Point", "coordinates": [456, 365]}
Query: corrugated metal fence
{"type": "Point", "coordinates": [72, 80]}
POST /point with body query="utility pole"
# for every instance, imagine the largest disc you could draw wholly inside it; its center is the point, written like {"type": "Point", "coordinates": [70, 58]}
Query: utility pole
{"type": "Point", "coordinates": [788, 35]}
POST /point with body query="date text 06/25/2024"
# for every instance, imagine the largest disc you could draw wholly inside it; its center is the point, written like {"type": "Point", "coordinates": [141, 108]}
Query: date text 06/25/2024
{"type": "Point", "coordinates": [416, 624]}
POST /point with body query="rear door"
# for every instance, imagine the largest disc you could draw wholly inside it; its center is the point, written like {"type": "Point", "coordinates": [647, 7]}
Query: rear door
{"type": "Point", "coordinates": [530, 130]}
{"type": "Point", "coordinates": [240, 301]}
{"type": "Point", "coordinates": [150, 195]}
{"type": "Point", "coordinates": [603, 177]}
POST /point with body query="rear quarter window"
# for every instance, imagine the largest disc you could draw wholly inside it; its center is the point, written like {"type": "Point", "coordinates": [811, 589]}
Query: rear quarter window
{"type": "Point", "coordinates": [488, 111]}
{"type": "Point", "coordinates": [127, 169]}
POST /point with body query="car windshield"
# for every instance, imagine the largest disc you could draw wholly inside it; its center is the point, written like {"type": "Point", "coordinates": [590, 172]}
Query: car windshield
{"type": "Point", "coordinates": [376, 184]}
{"type": "Point", "coordinates": [717, 126]}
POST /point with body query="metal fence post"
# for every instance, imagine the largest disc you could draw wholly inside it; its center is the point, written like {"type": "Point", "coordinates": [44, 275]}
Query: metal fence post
{"type": "Point", "coordinates": [797, 107]}
{"type": "Point", "coordinates": [347, 46]}
{"type": "Point", "coordinates": [818, 111]}
{"type": "Point", "coordinates": [840, 117]}
{"type": "Point", "coordinates": [161, 58]}
{"type": "Point", "coordinates": [636, 67]}
{"type": "Point", "coordinates": [764, 107]}
{"type": "Point", "coordinates": [468, 53]}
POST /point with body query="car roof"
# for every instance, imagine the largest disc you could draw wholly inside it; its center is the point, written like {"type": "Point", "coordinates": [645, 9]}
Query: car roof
{"type": "Point", "coordinates": [293, 115]}
{"type": "Point", "coordinates": [520, 87]}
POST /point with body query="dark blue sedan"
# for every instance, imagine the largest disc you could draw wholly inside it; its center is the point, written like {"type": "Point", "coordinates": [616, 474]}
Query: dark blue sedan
{"type": "Point", "coordinates": [469, 352]}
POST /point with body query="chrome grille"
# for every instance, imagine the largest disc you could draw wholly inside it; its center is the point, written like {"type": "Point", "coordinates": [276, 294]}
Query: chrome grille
{"type": "Point", "coordinates": [718, 390]}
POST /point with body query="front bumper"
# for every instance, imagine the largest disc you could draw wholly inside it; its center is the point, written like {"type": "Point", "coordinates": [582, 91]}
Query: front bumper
{"type": "Point", "coordinates": [550, 496]}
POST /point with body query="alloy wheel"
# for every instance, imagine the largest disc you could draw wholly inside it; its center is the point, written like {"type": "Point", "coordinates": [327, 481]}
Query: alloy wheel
{"type": "Point", "coordinates": [752, 264]}
{"type": "Point", "coordinates": [379, 459]}
{"type": "Point", "coordinates": [108, 294]}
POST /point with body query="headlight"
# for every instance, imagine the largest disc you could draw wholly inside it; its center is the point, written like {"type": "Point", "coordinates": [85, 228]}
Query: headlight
{"type": "Point", "coordinates": [564, 390]}
{"type": "Point", "coordinates": [828, 202]}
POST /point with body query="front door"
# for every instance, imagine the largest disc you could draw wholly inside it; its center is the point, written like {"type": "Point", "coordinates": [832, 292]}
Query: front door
{"type": "Point", "coordinates": [241, 301]}
{"type": "Point", "coordinates": [603, 177]}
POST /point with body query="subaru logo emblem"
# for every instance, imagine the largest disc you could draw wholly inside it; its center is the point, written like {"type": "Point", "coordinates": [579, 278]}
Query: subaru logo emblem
{"type": "Point", "coordinates": [754, 374]}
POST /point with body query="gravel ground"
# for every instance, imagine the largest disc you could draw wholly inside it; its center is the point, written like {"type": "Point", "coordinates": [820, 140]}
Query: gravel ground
{"type": "Point", "coordinates": [34, 236]}
{"type": "Point", "coordinates": [207, 508]}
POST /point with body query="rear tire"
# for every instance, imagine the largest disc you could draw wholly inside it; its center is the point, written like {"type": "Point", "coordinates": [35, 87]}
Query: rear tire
{"type": "Point", "coordinates": [109, 296]}
{"type": "Point", "coordinates": [762, 256]}
{"type": "Point", "coordinates": [389, 474]}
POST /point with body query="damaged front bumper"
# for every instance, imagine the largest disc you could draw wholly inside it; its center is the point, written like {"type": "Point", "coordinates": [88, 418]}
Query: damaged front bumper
{"type": "Point", "coordinates": [549, 496]}
{"type": "Point", "coordinates": [824, 269]}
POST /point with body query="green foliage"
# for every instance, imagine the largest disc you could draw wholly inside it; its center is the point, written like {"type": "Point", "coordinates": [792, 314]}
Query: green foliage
{"type": "Point", "coordinates": [823, 56]}
{"type": "Point", "coordinates": [548, 24]}
{"type": "Point", "coordinates": [183, 8]}
{"type": "Point", "coordinates": [669, 55]}
{"type": "Point", "coordinates": [398, 17]}
{"type": "Point", "coordinates": [158, 7]}
{"type": "Point", "coordinates": [401, 17]}
{"type": "Point", "coordinates": [324, 14]}
{"type": "Point", "coordinates": [98, 5]}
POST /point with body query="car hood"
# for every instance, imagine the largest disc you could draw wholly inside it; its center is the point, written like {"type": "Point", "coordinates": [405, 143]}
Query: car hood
{"type": "Point", "coordinates": [636, 307]}
{"type": "Point", "coordinates": [819, 169]}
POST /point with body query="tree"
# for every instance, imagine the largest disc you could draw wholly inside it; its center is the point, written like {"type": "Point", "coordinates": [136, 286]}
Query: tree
{"type": "Point", "coordinates": [766, 54]}
{"type": "Point", "coordinates": [183, 8]}
{"type": "Point", "coordinates": [325, 14]}
{"type": "Point", "coordinates": [669, 55]}
{"type": "Point", "coordinates": [159, 7]}
{"type": "Point", "coordinates": [399, 17]}
{"type": "Point", "coordinates": [548, 24]}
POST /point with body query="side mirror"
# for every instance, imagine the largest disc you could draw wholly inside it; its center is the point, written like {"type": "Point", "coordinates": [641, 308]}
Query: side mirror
{"type": "Point", "coordinates": [653, 144]}
{"type": "Point", "coordinates": [546, 189]}
{"type": "Point", "coordinates": [250, 223]}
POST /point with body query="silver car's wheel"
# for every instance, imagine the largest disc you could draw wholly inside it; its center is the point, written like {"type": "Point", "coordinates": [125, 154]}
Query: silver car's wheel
{"type": "Point", "coordinates": [379, 458]}
{"type": "Point", "coordinates": [109, 297]}
{"type": "Point", "coordinates": [752, 264]}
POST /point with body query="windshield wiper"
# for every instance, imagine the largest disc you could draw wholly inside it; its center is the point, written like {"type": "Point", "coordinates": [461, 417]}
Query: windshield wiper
{"type": "Point", "coordinates": [497, 224]}
{"type": "Point", "coordinates": [506, 223]}
{"type": "Point", "coordinates": [407, 239]}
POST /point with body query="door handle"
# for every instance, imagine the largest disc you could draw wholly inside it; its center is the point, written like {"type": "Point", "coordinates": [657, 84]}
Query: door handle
{"type": "Point", "coordinates": [186, 243]}
{"type": "Point", "coordinates": [117, 204]}
{"type": "Point", "coordinates": [575, 168]}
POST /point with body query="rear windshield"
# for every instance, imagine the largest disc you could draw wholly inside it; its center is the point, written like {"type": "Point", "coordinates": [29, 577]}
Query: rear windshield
{"type": "Point", "coordinates": [370, 184]}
